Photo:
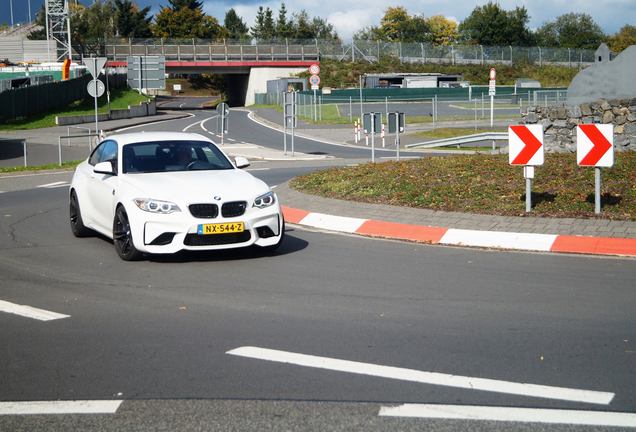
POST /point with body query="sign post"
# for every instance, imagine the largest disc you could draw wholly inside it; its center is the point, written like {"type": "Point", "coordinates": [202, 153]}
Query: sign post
{"type": "Point", "coordinates": [95, 66]}
{"type": "Point", "coordinates": [492, 90]}
{"type": "Point", "coordinates": [314, 80]}
{"type": "Point", "coordinates": [595, 148]}
{"type": "Point", "coordinates": [525, 148]}
{"type": "Point", "coordinates": [372, 123]}
{"type": "Point", "coordinates": [396, 122]}
{"type": "Point", "coordinates": [224, 112]}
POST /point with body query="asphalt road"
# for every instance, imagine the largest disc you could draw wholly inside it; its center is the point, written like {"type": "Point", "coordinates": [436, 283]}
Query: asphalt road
{"type": "Point", "coordinates": [156, 333]}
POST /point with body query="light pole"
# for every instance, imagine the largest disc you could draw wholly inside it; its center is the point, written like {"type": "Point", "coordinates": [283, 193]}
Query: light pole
{"type": "Point", "coordinates": [11, 7]}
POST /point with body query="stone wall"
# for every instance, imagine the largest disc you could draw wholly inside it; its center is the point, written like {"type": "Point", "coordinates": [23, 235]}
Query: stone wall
{"type": "Point", "coordinates": [559, 123]}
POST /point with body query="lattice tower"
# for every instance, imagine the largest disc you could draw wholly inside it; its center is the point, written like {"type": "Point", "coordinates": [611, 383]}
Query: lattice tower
{"type": "Point", "coordinates": [58, 27]}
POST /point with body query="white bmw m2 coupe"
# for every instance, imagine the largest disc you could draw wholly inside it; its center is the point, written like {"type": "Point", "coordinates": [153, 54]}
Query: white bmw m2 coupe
{"type": "Point", "coordinates": [163, 192]}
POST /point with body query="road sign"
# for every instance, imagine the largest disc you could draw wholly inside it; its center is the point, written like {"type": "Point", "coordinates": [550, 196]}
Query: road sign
{"type": "Point", "coordinates": [146, 72]}
{"type": "Point", "coordinates": [314, 80]}
{"type": "Point", "coordinates": [392, 122]}
{"type": "Point", "coordinates": [314, 69]}
{"type": "Point", "coordinates": [176, 87]}
{"type": "Point", "coordinates": [95, 65]}
{"type": "Point", "coordinates": [525, 145]}
{"type": "Point", "coordinates": [223, 109]}
{"type": "Point", "coordinates": [96, 88]}
{"type": "Point", "coordinates": [372, 122]}
{"type": "Point", "coordinates": [492, 88]}
{"type": "Point", "coordinates": [492, 75]}
{"type": "Point", "coordinates": [595, 145]}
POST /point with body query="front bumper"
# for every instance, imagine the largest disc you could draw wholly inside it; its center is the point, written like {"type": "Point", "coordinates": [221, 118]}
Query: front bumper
{"type": "Point", "coordinates": [166, 234]}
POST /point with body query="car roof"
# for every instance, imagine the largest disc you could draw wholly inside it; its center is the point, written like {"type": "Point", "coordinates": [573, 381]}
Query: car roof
{"type": "Point", "coordinates": [138, 137]}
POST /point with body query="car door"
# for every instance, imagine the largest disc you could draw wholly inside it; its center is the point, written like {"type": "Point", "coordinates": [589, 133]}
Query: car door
{"type": "Point", "coordinates": [102, 187]}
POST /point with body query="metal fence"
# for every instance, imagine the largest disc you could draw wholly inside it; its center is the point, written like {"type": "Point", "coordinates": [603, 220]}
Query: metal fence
{"type": "Point", "coordinates": [365, 50]}
{"type": "Point", "coordinates": [27, 101]}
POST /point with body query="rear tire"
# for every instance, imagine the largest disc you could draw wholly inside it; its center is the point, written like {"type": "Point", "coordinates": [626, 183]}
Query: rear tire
{"type": "Point", "coordinates": [75, 218]}
{"type": "Point", "coordinates": [122, 237]}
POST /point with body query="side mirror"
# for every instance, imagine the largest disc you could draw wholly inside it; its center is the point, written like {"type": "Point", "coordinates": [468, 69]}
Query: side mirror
{"type": "Point", "coordinates": [241, 162]}
{"type": "Point", "coordinates": [104, 168]}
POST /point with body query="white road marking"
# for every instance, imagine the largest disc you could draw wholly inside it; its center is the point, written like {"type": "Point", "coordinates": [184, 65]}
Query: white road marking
{"type": "Point", "coordinates": [60, 407]}
{"type": "Point", "coordinates": [30, 312]}
{"type": "Point", "coordinates": [231, 139]}
{"type": "Point", "coordinates": [54, 185]}
{"type": "Point", "coordinates": [181, 106]}
{"type": "Point", "coordinates": [257, 169]}
{"type": "Point", "coordinates": [205, 120]}
{"type": "Point", "coordinates": [36, 174]}
{"type": "Point", "coordinates": [332, 223]}
{"type": "Point", "coordinates": [529, 415]}
{"type": "Point", "coordinates": [499, 239]}
{"type": "Point", "coordinates": [435, 378]}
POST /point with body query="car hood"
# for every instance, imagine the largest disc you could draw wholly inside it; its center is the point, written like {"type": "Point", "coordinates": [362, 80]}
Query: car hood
{"type": "Point", "coordinates": [195, 186]}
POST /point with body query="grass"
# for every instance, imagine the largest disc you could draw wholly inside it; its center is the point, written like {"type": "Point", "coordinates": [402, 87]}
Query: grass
{"type": "Point", "coordinates": [440, 133]}
{"type": "Point", "coordinates": [483, 184]}
{"type": "Point", "coordinates": [65, 166]}
{"type": "Point", "coordinates": [119, 99]}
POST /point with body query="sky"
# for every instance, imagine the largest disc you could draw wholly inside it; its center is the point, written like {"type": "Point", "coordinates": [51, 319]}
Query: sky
{"type": "Point", "coordinates": [351, 15]}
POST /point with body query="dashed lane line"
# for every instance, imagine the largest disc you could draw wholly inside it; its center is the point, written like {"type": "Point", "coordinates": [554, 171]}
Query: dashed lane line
{"type": "Point", "coordinates": [30, 312]}
{"type": "Point", "coordinates": [522, 415]}
{"type": "Point", "coordinates": [435, 378]}
{"type": "Point", "coordinates": [60, 407]}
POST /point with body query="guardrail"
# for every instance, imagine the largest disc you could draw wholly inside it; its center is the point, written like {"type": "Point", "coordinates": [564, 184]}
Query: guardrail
{"type": "Point", "coordinates": [68, 137]}
{"type": "Point", "coordinates": [465, 139]}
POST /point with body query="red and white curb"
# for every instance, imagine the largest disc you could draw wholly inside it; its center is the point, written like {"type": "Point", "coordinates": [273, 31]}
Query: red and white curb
{"type": "Point", "coordinates": [463, 237]}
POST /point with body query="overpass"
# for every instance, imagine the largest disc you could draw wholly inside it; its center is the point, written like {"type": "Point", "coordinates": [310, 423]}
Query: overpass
{"type": "Point", "coordinates": [247, 67]}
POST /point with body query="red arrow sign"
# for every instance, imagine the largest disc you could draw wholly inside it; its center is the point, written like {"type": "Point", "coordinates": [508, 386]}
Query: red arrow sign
{"type": "Point", "coordinates": [600, 145]}
{"type": "Point", "coordinates": [532, 145]}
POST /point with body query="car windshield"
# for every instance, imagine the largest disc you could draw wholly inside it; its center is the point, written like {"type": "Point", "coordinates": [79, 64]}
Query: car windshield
{"type": "Point", "coordinates": [167, 156]}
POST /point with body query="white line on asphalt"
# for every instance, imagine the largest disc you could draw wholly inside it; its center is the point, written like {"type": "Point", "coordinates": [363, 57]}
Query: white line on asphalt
{"type": "Point", "coordinates": [332, 223]}
{"type": "Point", "coordinates": [153, 123]}
{"type": "Point", "coordinates": [258, 169]}
{"type": "Point", "coordinates": [60, 407]}
{"type": "Point", "coordinates": [230, 139]}
{"type": "Point", "coordinates": [30, 312]}
{"type": "Point", "coordinates": [205, 120]}
{"type": "Point", "coordinates": [435, 378]}
{"type": "Point", "coordinates": [53, 185]}
{"type": "Point", "coordinates": [530, 415]}
{"type": "Point", "coordinates": [499, 239]}
{"type": "Point", "coordinates": [181, 106]}
{"type": "Point", "coordinates": [36, 174]}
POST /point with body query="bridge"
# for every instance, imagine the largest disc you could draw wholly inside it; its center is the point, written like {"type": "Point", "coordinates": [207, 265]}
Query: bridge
{"type": "Point", "coordinates": [247, 67]}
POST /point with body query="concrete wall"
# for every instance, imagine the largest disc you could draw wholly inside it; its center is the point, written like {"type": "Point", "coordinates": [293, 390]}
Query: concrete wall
{"type": "Point", "coordinates": [260, 75]}
{"type": "Point", "coordinates": [605, 79]}
{"type": "Point", "coordinates": [142, 110]}
{"type": "Point", "coordinates": [18, 50]}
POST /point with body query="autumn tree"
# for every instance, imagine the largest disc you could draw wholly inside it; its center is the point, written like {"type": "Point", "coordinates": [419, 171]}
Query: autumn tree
{"type": "Point", "coordinates": [625, 37]}
{"type": "Point", "coordinates": [442, 31]}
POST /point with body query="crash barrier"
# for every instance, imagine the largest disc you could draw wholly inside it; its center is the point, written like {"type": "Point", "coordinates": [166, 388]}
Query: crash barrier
{"type": "Point", "coordinates": [466, 139]}
{"type": "Point", "coordinates": [24, 102]}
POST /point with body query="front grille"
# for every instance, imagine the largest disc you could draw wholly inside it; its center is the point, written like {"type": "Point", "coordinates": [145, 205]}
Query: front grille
{"type": "Point", "coordinates": [216, 239]}
{"type": "Point", "coordinates": [206, 211]}
{"type": "Point", "coordinates": [233, 209]}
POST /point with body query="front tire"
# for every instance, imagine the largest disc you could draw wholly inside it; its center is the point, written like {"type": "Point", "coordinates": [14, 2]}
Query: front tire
{"type": "Point", "coordinates": [122, 237]}
{"type": "Point", "coordinates": [75, 218]}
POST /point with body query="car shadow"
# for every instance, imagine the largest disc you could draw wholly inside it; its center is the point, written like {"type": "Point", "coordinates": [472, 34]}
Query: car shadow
{"type": "Point", "coordinates": [291, 244]}
{"type": "Point", "coordinates": [11, 149]}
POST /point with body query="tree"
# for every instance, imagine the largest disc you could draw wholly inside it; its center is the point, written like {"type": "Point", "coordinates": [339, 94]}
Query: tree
{"type": "Point", "coordinates": [625, 37]}
{"type": "Point", "coordinates": [393, 23]}
{"type": "Point", "coordinates": [90, 25]}
{"type": "Point", "coordinates": [235, 26]}
{"type": "Point", "coordinates": [491, 25]}
{"type": "Point", "coordinates": [175, 5]}
{"type": "Point", "coordinates": [442, 31]}
{"type": "Point", "coordinates": [571, 30]}
{"type": "Point", "coordinates": [186, 23]}
{"type": "Point", "coordinates": [131, 21]}
{"type": "Point", "coordinates": [284, 27]}
{"type": "Point", "coordinates": [263, 28]}
{"type": "Point", "coordinates": [323, 30]}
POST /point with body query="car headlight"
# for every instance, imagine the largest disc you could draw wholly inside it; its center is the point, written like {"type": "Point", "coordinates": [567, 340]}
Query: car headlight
{"type": "Point", "coordinates": [265, 200]}
{"type": "Point", "coordinates": [156, 206]}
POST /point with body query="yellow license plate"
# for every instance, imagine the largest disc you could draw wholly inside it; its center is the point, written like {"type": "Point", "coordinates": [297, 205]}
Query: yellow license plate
{"type": "Point", "coordinates": [221, 228]}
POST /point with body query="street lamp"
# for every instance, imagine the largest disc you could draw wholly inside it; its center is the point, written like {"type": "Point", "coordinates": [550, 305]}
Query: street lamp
{"type": "Point", "coordinates": [11, 7]}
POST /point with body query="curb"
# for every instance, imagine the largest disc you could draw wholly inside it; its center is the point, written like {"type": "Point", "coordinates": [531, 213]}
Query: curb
{"type": "Point", "coordinates": [624, 247]}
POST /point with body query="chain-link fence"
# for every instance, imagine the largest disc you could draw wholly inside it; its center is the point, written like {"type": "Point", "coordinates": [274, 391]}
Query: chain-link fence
{"type": "Point", "coordinates": [316, 49]}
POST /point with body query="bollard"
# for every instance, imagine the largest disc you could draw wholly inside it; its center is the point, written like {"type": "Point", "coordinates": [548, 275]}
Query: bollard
{"type": "Point", "coordinates": [382, 136]}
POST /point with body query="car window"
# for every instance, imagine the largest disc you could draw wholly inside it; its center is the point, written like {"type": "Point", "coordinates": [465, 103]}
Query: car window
{"type": "Point", "coordinates": [160, 156]}
{"type": "Point", "coordinates": [106, 151]}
